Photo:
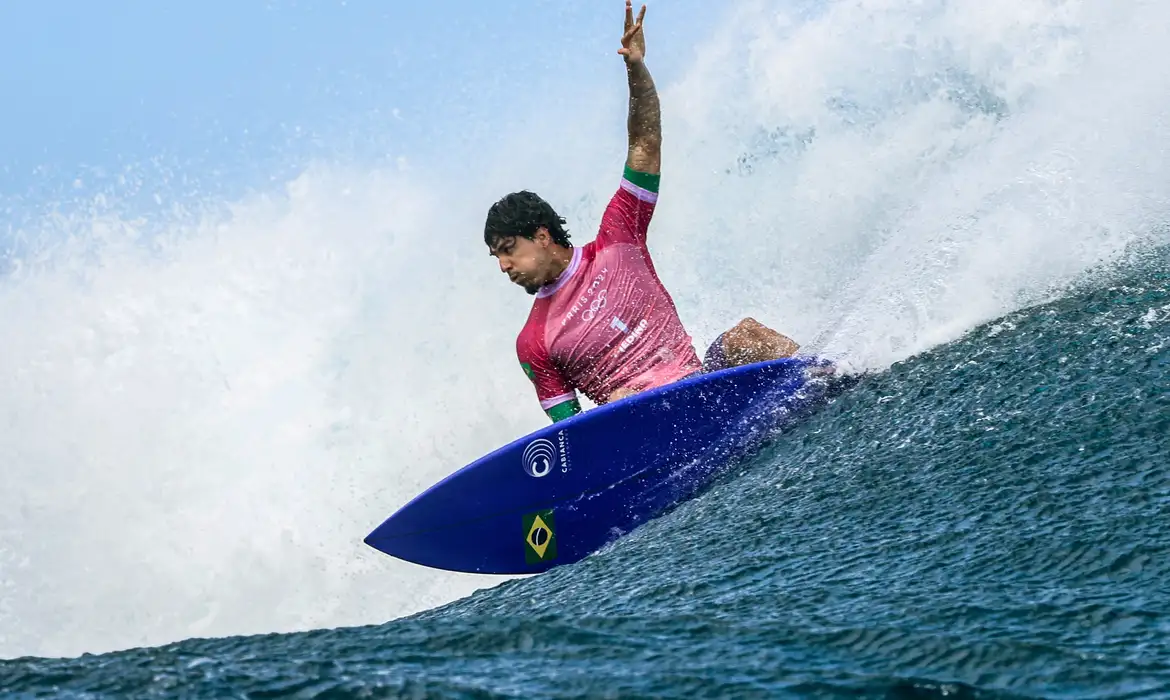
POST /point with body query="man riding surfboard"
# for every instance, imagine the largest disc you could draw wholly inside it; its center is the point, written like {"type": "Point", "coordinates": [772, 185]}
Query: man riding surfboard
{"type": "Point", "coordinates": [602, 322]}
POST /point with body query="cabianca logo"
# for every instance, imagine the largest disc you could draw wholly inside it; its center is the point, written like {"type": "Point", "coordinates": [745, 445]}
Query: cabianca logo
{"type": "Point", "coordinates": [538, 457]}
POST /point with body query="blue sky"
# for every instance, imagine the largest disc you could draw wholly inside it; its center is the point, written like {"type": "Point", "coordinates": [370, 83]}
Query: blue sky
{"type": "Point", "coordinates": [242, 91]}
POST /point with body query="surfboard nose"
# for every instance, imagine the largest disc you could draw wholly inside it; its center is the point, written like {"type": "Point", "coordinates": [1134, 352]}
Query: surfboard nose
{"type": "Point", "coordinates": [507, 543]}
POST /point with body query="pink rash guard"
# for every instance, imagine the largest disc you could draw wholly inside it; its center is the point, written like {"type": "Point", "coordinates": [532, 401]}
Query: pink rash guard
{"type": "Point", "coordinates": [607, 322]}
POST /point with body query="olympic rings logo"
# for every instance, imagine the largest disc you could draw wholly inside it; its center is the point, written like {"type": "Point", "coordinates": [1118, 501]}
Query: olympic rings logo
{"type": "Point", "coordinates": [596, 305]}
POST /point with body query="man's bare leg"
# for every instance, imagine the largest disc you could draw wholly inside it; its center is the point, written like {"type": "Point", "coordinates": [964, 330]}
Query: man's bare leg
{"type": "Point", "coordinates": [746, 342]}
{"type": "Point", "coordinates": [750, 341]}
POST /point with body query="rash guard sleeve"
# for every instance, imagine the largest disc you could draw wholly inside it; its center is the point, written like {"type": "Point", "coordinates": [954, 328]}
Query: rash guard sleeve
{"type": "Point", "coordinates": [557, 396]}
{"type": "Point", "coordinates": [627, 218]}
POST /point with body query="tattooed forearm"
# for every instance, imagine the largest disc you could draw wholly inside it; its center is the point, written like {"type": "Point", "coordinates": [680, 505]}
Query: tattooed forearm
{"type": "Point", "coordinates": [645, 119]}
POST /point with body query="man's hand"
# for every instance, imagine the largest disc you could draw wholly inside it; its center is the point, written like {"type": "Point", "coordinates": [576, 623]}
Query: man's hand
{"type": "Point", "coordinates": [633, 41]}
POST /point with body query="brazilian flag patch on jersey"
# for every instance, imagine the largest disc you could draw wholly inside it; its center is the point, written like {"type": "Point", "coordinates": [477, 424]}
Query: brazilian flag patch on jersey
{"type": "Point", "coordinates": [540, 537]}
{"type": "Point", "coordinates": [528, 370]}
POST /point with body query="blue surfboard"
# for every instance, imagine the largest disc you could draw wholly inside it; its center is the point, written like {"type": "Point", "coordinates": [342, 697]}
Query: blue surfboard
{"type": "Point", "coordinates": [561, 493]}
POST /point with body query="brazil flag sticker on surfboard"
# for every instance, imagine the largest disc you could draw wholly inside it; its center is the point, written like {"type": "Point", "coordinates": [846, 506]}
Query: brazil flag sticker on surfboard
{"type": "Point", "coordinates": [540, 537]}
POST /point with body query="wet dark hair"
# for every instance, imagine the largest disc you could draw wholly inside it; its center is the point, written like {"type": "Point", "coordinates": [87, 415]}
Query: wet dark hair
{"type": "Point", "coordinates": [521, 214]}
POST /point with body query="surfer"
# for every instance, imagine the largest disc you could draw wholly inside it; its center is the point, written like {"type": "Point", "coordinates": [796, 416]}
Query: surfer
{"type": "Point", "coordinates": [602, 322]}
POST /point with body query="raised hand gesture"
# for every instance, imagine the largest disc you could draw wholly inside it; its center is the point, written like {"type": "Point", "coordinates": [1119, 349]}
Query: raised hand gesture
{"type": "Point", "coordinates": [633, 40]}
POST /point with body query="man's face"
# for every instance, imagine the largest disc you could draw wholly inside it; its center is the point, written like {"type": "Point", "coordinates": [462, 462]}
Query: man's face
{"type": "Point", "coordinates": [528, 263]}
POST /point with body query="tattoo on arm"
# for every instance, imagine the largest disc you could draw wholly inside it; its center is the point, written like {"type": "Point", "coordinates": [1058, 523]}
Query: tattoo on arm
{"type": "Point", "coordinates": [645, 121]}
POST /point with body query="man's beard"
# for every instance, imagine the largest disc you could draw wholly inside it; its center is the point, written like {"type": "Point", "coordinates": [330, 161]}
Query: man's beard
{"type": "Point", "coordinates": [530, 287]}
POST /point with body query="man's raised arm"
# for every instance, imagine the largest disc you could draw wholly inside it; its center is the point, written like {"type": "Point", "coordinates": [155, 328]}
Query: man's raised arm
{"type": "Point", "coordinates": [645, 120]}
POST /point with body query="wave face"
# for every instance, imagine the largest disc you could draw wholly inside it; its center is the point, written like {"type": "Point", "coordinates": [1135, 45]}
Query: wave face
{"type": "Point", "coordinates": [981, 520]}
{"type": "Point", "coordinates": [204, 411]}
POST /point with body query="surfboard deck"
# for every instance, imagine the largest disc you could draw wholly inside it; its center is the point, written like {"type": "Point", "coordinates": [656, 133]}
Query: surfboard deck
{"type": "Point", "coordinates": [561, 493]}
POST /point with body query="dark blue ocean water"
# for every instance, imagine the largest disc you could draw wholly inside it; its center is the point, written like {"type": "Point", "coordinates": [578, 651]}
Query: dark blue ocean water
{"type": "Point", "coordinates": [988, 519]}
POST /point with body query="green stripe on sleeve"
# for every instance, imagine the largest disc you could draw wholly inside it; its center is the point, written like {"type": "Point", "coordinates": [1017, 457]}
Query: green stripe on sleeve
{"type": "Point", "coordinates": [647, 181]}
{"type": "Point", "coordinates": [563, 410]}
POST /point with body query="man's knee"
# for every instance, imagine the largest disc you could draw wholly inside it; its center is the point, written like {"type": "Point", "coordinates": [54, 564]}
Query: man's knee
{"type": "Point", "coordinates": [749, 325]}
{"type": "Point", "coordinates": [751, 341]}
{"type": "Point", "coordinates": [751, 331]}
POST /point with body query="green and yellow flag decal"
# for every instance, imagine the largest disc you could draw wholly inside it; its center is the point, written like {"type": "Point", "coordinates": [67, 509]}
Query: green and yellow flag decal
{"type": "Point", "coordinates": [540, 537]}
